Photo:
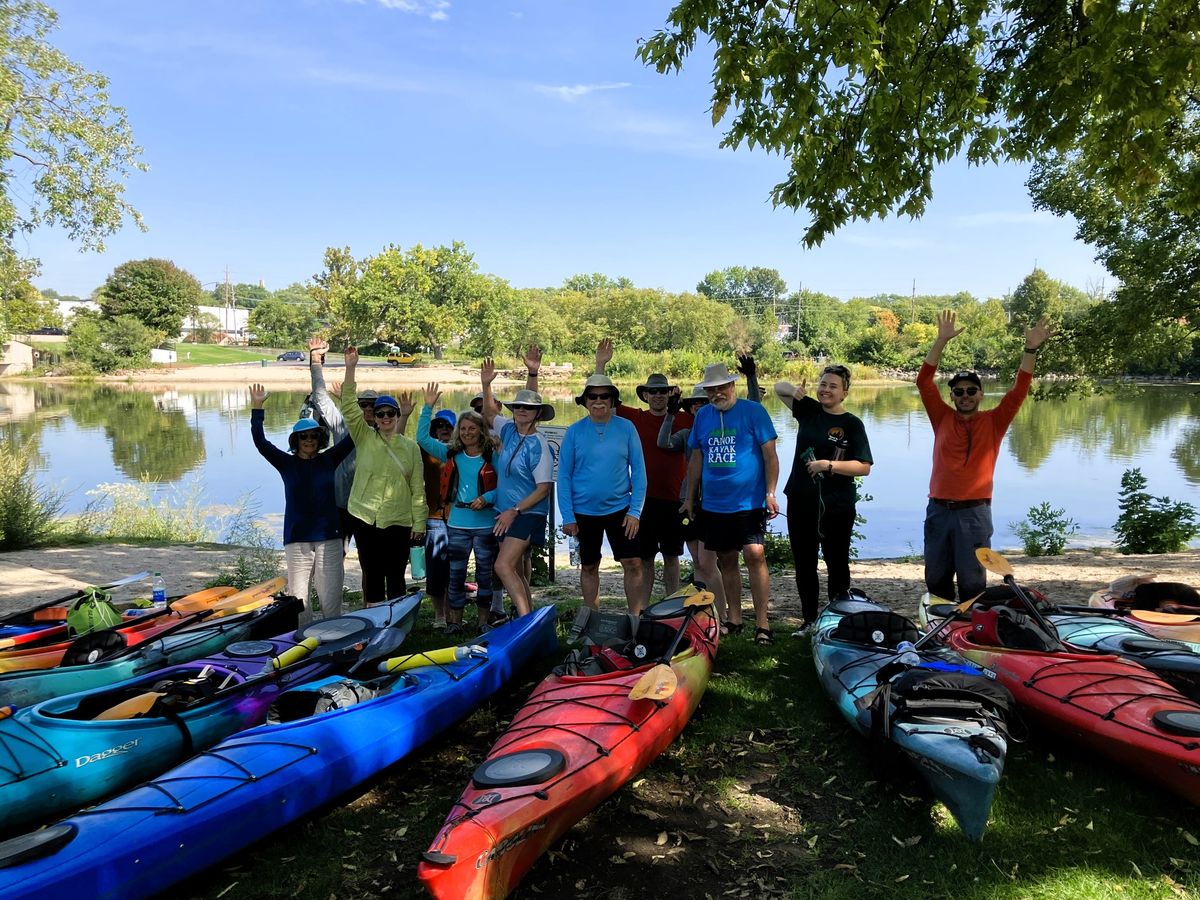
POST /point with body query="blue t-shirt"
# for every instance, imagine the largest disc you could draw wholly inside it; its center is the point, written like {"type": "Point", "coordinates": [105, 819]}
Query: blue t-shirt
{"type": "Point", "coordinates": [734, 475]}
{"type": "Point", "coordinates": [524, 462]}
{"type": "Point", "coordinates": [468, 489]}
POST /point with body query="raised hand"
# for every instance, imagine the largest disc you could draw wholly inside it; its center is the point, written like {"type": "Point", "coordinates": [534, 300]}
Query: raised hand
{"type": "Point", "coordinates": [317, 346]}
{"type": "Point", "coordinates": [947, 326]}
{"type": "Point", "coordinates": [407, 401]}
{"type": "Point", "coordinates": [533, 358]}
{"type": "Point", "coordinates": [604, 353]}
{"type": "Point", "coordinates": [487, 371]}
{"type": "Point", "coordinates": [1037, 334]}
{"type": "Point", "coordinates": [351, 354]}
{"type": "Point", "coordinates": [258, 394]}
{"type": "Point", "coordinates": [674, 401]}
{"type": "Point", "coordinates": [432, 393]}
{"type": "Point", "coordinates": [745, 364]}
{"type": "Point", "coordinates": [335, 390]}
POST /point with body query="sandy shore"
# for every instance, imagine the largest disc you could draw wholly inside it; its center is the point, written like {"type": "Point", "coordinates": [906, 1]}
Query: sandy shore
{"type": "Point", "coordinates": [32, 575]}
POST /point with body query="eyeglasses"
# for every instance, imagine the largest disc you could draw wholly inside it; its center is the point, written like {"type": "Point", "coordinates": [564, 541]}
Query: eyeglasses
{"type": "Point", "coordinates": [657, 391]}
{"type": "Point", "coordinates": [592, 396]}
{"type": "Point", "coordinates": [968, 391]}
{"type": "Point", "coordinates": [386, 413]}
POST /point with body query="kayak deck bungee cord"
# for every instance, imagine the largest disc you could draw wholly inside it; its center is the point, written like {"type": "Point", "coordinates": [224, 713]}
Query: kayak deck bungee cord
{"type": "Point", "coordinates": [322, 739]}
{"type": "Point", "coordinates": [578, 739]}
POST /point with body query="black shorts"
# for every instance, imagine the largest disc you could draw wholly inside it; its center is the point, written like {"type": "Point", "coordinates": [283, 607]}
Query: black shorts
{"type": "Point", "coordinates": [733, 531]}
{"type": "Point", "coordinates": [693, 529]}
{"type": "Point", "coordinates": [593, 529]}
{"type": "Point", "coordinates": [661, 529]}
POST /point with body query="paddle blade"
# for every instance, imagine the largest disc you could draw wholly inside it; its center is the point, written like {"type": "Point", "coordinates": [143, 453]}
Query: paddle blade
{"type": "Point", "coordinates": [993, 561]}
{"type": "Point", "coordinates": [700, 598]}
{"type": "Point", "coordinates": [127, 709]}
{"type": "Point", "coordinates": [659, 683]}
{"type": "Point", "coordinates": [230, 602]}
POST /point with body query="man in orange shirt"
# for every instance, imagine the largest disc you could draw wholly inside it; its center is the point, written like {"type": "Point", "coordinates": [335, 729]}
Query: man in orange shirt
{"type": "Point", "coordinates": [966, 442]}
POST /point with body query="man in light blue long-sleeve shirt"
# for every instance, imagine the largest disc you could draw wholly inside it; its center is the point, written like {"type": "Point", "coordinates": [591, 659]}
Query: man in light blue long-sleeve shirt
{"type": "Point", "coordinates": [601, 489]}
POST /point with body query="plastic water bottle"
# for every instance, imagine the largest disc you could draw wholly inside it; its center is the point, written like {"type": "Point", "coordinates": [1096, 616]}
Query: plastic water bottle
{"type": "Point", "coordinates": [908, 653]}
{"type": "Point", "coordinates": [573, 549]}
{"type": "Point", "coordinates": [158, 589]}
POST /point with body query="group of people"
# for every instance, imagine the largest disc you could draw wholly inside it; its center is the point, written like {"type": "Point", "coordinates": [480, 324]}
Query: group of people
{"type": "Point", "coordinates": [700, 470]}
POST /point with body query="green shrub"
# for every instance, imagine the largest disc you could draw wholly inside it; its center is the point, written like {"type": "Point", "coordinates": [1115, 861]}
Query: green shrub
{"type": "Point", "coordinates": [1151, 524]}
{"type": "Point", "coordinates": [778, 550]}
{"type": "Point", "coordinates": [1045, 530]}
{"type": "Point", "coordinates": [27, 510]}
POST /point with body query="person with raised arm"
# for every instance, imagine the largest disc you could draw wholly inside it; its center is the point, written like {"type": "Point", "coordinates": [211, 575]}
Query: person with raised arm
{"type": "Point", "coordinates": [388, 495]}
{"type": "Point", "coordinates": [312, 538]}
{"type": "Point", "coordinates": [831, 451]}
{"type": "Point", "coordinates": [966, 444]}
{"type": "Point", "coordinates": [468, 488]}
{"type": "Point", "coordinates": [525, 473]}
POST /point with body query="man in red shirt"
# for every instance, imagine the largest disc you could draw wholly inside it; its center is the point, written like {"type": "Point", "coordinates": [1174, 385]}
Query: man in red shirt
{"type": "Point", "coordinates": [661, 528]}
{"type": "Point", "coordinates": [966, 442]}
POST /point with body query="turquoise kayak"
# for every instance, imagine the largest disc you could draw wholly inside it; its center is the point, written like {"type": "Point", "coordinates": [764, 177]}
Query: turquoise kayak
{"type": "Point", "coordinates": [25, 688]}
{"type": "Point", "coordinates": [59, 755]}
{"type": "Point", "coordinates": [329, 737]}
{"type": "Point", "coordinates": [942, 714]}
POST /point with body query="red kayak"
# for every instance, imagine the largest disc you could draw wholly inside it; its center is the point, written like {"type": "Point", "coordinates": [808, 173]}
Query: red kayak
{"type": "Point", "coordinates": [578, 739]}
{"type": "Point", "coordinates": [1109, 704]}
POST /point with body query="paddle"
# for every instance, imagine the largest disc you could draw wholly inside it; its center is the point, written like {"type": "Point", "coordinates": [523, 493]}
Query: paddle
{"type": "Point", "coordinates": [661, 682]}
{"type": "Point", "coordinates": [998, 565]}
{"type": "Point", "coordinates": [930, 635]}
{"type": "Point", "coordinates": [75, 595]}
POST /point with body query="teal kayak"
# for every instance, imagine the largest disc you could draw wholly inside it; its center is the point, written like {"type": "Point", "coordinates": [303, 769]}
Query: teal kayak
{"type": "Point", "coordinates": [942, 714]}
{"type": "Point", "coordinates": [26, 688]}
{"type": "Point", "coordinates": [327, 738]}
{"type": "Point", "coordinates": [62, 754]}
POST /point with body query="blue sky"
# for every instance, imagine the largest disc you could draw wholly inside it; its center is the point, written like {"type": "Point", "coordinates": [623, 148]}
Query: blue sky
{"type": "Point", "coordinates": [525, 128]}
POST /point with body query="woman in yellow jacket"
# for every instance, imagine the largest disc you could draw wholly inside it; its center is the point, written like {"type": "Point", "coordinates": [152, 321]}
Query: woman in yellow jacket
{"type": "Point", "coordinates": [388, 496]}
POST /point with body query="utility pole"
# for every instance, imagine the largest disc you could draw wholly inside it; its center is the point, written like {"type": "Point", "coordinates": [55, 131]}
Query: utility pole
{"type": "Point", "coordinates": [914, 301]}
{"type": "Point", "coordinates": [228, 300]}
{"type": "Point", "coordinates": [799, 302]}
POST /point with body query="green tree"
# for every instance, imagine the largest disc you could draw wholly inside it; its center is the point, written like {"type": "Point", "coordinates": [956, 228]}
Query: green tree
{"type": "Point", "coordinates": [340, 303]}
{"type": "Point", "coordinates": [246, 296]}
{"type": "Point", "coordinates": [105, 345]}
{"type": "Point", "coordinates": [65, 150]}
{"type": "Point", "coordinates": [156, 292]}
{"type": "Point", "coordinates": [206, 324]}
{"type": "Point", "coordinates": [864, 99]}
{"type": "Point", "coordinates": [595, 283]}
{"type": "Point", "coordinates": [25, 310]}
{"type": "Point", "coordinates": [749, 290]}
{"type": "Point", "coordinates": [277, 322]}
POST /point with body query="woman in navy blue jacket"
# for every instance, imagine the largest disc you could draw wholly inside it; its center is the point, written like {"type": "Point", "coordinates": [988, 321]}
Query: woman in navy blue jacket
{"type": "Point", "coordinates": [312, 536]}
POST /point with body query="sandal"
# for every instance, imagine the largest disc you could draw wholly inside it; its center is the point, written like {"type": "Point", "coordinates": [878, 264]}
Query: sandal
{"type": "Point", "coordinates": [728, 628]}
{"type": "Point", "coordinates": [763, 637]}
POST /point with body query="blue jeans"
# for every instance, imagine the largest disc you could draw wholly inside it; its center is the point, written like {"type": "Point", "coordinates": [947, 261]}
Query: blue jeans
{"type": "Point", "coordinates": [462, 542]}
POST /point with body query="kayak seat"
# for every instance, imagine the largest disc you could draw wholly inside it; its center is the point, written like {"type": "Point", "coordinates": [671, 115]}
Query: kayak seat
{"type": "Point", "coordinates": [1003, 626]}
{"type": "Point", "coordinates": [1004, 595]}
{"type": "Point", "coordinates": [875, 628]}
{"type": "Point", "coordinates": [944, 611]}
{"type": "Point", "coordinates": [318, 697]}
{"type": "Point", "coordinates": [604, 629]}
{"type": "Point", "coordinates": [1155, 593]}
{"type": "Point", "coordinates": [852, 601]}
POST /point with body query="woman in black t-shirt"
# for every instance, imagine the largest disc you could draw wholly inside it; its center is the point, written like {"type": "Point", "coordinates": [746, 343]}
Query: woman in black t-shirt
{"type": "Point", "coordinates": [831, 450]}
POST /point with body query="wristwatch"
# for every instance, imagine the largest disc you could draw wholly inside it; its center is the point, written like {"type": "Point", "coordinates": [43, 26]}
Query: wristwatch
{"type": "Point", "coordinates": [1032, 350]}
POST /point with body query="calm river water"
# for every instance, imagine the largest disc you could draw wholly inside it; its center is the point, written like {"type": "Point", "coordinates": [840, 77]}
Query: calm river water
{"type": "Point", "coordinates": [1070, 452]}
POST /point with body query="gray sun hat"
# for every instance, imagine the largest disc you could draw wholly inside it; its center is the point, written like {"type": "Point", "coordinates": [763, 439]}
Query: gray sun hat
{"type": "Point", "coordinates": [532, 400]}
{"type": "Point", "coordinates": [654, 381]}
{"type": "Point", "coordinates": [716, 375]}
{"type": "Point", "coordinates": [698, 395]}
{"type": "Point", "coordinates": [368, 394]}
{"type": "Point", "coordinates": [599, 381]}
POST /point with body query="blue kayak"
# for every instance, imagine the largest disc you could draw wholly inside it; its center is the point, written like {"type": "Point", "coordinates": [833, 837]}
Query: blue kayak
{"type": "Point", "coordinates": [210, 807]}
{"type": "Point", "coordinates": [942, 714]}
{"type": "Point", "coordinates": [59, 755]}
{"type": "Point", "coordinates": [25, 688]}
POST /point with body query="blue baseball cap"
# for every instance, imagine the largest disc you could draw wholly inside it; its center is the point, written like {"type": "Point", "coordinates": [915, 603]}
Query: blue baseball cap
{"type": "Point", "coordinates": [387, 400]}
{"type": "Point", "coordinates": [446, 415]}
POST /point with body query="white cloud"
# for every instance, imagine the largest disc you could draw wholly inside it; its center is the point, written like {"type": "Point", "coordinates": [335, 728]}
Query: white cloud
{"type": "Point", "coordinates": [572, 92]}
{"type": "Point", "coordinates": [1000, 217]}
{"type": "Point", "coordinates": [432, 9]}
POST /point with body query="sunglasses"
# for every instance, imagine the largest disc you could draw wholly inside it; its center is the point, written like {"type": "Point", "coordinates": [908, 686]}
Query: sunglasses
{"type": "Point", "coordinates": [366, 404]}
{"type": "Point", "coordinates": [308, 437]}
{"type": "Point", "coordinates": [592, 396]}
{"type": "Point", "coordinates": [968, 391]}
{"type": "Point", "coordinates": [656, 391]}
{"type": "Point", "coordinates": [386, 413]}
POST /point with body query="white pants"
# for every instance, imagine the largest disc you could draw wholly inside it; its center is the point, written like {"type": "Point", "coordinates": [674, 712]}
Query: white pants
{"type": "Point", "coordinates": [319, 562]}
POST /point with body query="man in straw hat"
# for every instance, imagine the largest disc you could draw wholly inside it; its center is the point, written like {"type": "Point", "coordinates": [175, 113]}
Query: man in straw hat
{"type": "Point", "coordinates": [966, 443]}
{"type": "Point", "coordinates": [661, 528]}
{"type": "Point", "coordinates": [525, 472]}
{"type": "Point", "coordinates": [601, 489]}
{"type": "Point", "coordinates": [739, 468]}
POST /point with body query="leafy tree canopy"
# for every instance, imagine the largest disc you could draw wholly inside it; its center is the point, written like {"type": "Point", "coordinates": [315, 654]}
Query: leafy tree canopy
{"type": "Point", "coordinates": [156, 292]}
{"type": "Point", "coordinates": [865, 98]}
{"type": "Point", "coordinates": [25, 310]}
{"type": "Point", "coordinates": [247, 296]}
{"type": "Point", "coordinates": [595, 283]}
{"type": "Point", "coordinates": [280, 322]}
{"type": "Point", "coordinates": [750, 290]}
{"type": "Point", "coordinates": [65, 150]}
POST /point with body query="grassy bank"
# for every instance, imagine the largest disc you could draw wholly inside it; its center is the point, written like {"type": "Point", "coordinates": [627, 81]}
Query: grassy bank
{"type": "Point", "coordinates": [767, 793]}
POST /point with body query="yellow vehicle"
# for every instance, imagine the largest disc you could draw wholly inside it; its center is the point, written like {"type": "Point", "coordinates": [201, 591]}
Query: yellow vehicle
{"type": "Point", "coordinates": [401, 359]}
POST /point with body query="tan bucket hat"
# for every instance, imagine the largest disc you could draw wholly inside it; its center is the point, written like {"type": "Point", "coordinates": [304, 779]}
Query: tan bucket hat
{"type": "Point", "coordinates": [532, 399]}
{"type": "Point", "coordinates": [598, 381]}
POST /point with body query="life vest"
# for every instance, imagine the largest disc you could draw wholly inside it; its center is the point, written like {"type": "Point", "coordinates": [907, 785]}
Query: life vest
{"type": "Point", "coordinates": [448, 484]}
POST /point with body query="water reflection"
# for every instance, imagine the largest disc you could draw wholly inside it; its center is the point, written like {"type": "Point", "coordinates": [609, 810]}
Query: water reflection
{"type": "Point", "coordinates": [1069, 451]}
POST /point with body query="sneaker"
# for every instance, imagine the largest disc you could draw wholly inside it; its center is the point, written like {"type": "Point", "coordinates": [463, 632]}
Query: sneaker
{"type": "Point", "coordinates": [453, 628]}
{"type": "Point", "coordinates": [439, 624]}
{"type": "Point", "coordinates": [805, 630]}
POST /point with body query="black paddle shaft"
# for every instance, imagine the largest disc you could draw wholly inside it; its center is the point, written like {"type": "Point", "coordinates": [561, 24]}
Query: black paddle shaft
{"type": "Point", "coordinates": [1031, 606]}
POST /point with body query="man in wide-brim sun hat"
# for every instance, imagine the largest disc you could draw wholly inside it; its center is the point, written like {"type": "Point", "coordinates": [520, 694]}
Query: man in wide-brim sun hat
{"type": "Point", "coordinates": [661, 528]}
{"type": "Point", "coordinates": [601, 489]}
{"type": "Point", "coordinates": [739, 467]}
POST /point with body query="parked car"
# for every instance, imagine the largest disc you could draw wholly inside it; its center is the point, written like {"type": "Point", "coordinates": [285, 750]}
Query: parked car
{"type": "Point", "coordinates": [401, 359]}
{"type": "Point", "coordinates": [790, 354]}
{"type": "Point", "coordinates": [57, 331]}
{"type": "Point", "coordinates": [291, 356]}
